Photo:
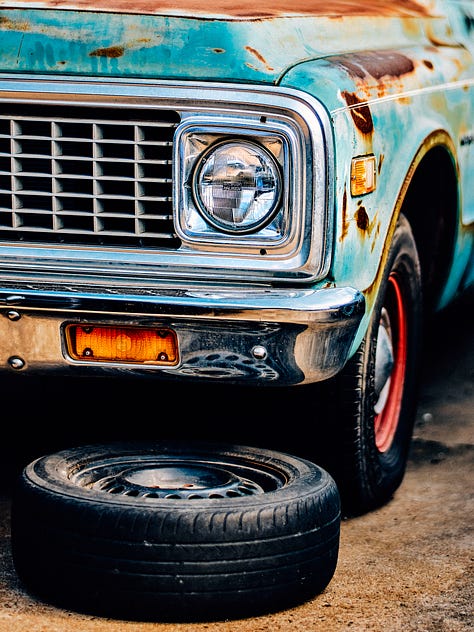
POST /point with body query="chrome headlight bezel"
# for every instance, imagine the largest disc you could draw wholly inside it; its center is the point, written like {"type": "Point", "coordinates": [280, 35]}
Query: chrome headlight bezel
{"type": "Point", "coordinates": [195, 137]}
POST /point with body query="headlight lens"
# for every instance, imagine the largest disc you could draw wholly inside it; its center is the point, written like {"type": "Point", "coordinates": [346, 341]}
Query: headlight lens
{"type": "Point", "coordinates": [237, 186]}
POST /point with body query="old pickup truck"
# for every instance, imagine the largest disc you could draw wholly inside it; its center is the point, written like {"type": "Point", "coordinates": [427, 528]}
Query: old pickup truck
{"type": "Point", "coordinates": [274, 195]}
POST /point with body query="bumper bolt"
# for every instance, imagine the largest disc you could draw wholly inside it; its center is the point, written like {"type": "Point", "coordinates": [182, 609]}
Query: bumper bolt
{"type": "Point", "coordinates": [16, 363]}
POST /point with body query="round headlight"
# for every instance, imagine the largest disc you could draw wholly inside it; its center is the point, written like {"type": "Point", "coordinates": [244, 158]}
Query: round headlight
{"type": "Point", "coordinates": [237, 186]}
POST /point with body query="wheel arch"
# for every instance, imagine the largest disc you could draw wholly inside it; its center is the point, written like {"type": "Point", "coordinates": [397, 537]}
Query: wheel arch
{"type": "Point", "coordinates": [430, 202]}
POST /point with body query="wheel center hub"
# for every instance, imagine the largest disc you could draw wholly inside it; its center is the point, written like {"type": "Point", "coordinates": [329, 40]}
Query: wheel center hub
{"type": "Point", "coordinates": [194, 477]}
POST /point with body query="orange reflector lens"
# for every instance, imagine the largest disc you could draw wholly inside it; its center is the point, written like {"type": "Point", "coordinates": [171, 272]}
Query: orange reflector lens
{"type": "Point", "coordinates": [104, 343]}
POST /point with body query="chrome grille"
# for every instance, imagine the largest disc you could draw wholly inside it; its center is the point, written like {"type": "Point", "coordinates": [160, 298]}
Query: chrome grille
{"type": "Point", "coordinates": [87, 176]}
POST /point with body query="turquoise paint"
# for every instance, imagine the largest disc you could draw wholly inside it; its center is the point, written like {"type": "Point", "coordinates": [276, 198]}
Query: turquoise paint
{"type": "Point", "coordinates": [52, 41]}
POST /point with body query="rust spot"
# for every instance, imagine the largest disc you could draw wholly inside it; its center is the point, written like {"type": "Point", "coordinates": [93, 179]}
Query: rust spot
{"type": "Point", "coordinates": [428, 64]}
{"type": "Point", "coordinates": [345, 224]}
{"type": "Point", "coordinates": [111, 51]}
{"type": "Point", "coordinates": [248, 8]}
{"type": "Point", "coordinates": [362, 219]}
{"type": "Point", "coordinates": [260, 57]}
{"type": "Point", "coordinates": [376, 64]}
{"type": "Point", "coordinates": [218, 50]}
{"type": "Point", "coordinates": [360, 115]}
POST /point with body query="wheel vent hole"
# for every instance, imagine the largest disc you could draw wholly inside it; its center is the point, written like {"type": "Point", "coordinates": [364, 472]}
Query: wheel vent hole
{"type": "Point", "coordinates": [247, 490]}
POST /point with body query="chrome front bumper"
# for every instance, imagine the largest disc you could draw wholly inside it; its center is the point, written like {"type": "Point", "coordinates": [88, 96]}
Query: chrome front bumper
{"type": "Point", "coordinates": [274, 336]}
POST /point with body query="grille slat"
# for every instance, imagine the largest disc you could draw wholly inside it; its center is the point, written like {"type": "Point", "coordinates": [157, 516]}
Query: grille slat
{"type": "Point", "coordinates": [76, 176]}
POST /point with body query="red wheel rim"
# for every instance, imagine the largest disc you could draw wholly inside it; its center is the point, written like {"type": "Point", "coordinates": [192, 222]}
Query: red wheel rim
{"type": "Point", "coordinates": [386, 421]}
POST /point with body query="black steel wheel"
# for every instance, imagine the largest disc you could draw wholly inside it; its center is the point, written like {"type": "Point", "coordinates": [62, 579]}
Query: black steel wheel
{"type": "Point", "coordinates": [172, 531]}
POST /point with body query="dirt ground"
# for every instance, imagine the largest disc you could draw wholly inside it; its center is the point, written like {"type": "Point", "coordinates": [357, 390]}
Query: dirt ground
{"type": "Point", "coordinates": [405, 567]}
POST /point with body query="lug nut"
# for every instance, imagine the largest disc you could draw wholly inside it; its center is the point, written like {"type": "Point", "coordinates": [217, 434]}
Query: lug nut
{"type": "Point", "coordinates": [259, 352]}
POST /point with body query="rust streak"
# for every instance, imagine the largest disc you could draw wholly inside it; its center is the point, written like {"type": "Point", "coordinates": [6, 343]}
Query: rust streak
{"type": "Point", "coordinates": [381, 159]}
{"type": "Point", "coordinates": [345, 225]}
{"type": "Point", "coordinates": [246, 8]}
{"type": "Point", "coordinates": [360, 115]}
{"type": "Point", "coordinates": [260, 57]}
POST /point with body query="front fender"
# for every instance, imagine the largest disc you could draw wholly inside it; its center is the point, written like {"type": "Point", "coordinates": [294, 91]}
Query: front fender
{"type": "Point", "coordinates": [390, 104]}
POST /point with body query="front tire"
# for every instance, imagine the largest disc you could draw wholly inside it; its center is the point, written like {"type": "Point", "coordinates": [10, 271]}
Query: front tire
{"type": "Point", "coordinates": [172, 531]}
{"type": "Point", "coordinates": [373, 401]}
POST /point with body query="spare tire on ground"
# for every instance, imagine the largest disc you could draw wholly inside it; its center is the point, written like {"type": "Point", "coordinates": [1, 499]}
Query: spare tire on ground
{"type": "Point", "coordinates": [175, 531]}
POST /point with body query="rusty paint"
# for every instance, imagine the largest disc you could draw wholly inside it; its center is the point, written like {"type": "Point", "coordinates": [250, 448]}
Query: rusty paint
{"type": "Point", "coordinates": [361, 114]}
{"type": "Point", "coordinates": [13, 25]}
{"type": "Point", "coordinates": [218, 50]}
{"type": "Point", "coordinates": [111, 51]}
{"type": "Point", "coordinates": [260, 58]}
{"type": "Point", "coordinates": [362, 219]}
{"type": "Point", "coordinates": [367, 227]}
{"type": "Point", "coordinates": [428, 64]}
{"type": "Point", "coordinates": [377, 64]}
{"type": "Point", "coordinates": [345, 224]}
{"type": "Point", "coordinates": [242, 9]}
{"type": "Point", "coordinates": [379, 166]}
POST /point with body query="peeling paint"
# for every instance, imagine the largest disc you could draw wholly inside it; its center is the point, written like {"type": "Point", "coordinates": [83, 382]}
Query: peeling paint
{"type": "Point", "coordinates": [377, 64]}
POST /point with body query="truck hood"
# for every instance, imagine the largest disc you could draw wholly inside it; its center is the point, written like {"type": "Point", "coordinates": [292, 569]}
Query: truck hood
{"type": "Point", "coordinates": [171, 39]}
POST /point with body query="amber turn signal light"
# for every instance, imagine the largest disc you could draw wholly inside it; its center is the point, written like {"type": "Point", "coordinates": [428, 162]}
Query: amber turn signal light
{"type": "Point", "coordinates": [363, 175]}
{"type": "Point", "coordinates": [107, 343]}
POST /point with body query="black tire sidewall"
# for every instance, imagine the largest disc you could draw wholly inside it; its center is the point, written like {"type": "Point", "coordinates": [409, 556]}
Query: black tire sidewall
{"type": "Point", "coordinates": [366, 477]}
{"type": "Point", "coordinates": [386, 469]}
{"type": "Point", "coordinates": [135, 558]}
